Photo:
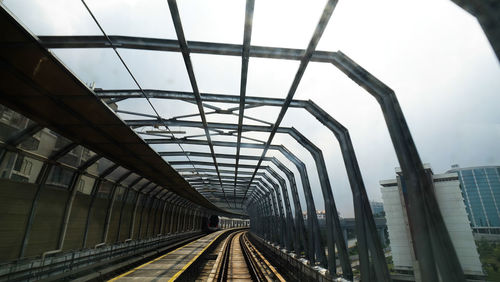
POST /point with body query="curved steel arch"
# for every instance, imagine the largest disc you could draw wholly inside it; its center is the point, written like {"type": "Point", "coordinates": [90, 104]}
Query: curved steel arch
{"type": "Point", "coordinates": [405, 151]}
{"type": "Point", "coordinates": [290, 242]}
{"type": "Point", "coordinates": [315, 246]}
{"type": "Point", "coordinates": [364, 217]}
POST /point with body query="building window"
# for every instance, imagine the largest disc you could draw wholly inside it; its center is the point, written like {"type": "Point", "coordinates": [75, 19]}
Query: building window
{"type": "Point", "coordinates": [81, 186]}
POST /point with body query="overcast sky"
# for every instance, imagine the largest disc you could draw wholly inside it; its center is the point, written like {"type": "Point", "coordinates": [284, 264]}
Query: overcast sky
{"type": "Point", "coordinates": [432, 53]}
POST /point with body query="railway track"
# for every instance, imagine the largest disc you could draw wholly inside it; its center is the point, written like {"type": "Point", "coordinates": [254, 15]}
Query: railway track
{"type": "Point", "coordinates": [239, 260]}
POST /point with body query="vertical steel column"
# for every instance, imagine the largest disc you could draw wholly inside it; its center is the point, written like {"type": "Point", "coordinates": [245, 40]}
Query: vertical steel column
{"type": "Point", "coordinates": [332, 217]}
{"type": "Point", "coordinates": [154, 206]}
{"type": "Point", "coordinates": [281, 222]}
{"type": "Point", "coordinates": [181, 217]}
{"type": "Point", "coordinates": [157, 197]}
{"type": "Point", "coordinates": [138, 197]}
{"type": "Point", "coordinates": [120, 215]}
{"type": "Point", "coordinates": [162, 220]}
{"type": "Point", "coordinates": [191, 220]}
{"type": "Point", "coordinates": [365, 224]}
{"type": "Point", "coordinates": [185, 221]}
{"type": "Point", "coordinates": [168, 214]}
{"type": "Point", "coordinates": [108, 214]}
{"type": "Point", "coordinates": [110, 206]}
{"type": "Point", "coordinates": [432, 242]}
{"type": "Point", "coordinates": [170, 208]}
{"type": "Point", "coordinates": [95, 190]}
{"type": "Point", "coordinates": [132, 184]}
{"type": "Point", "coordinates": [275, 217]}
{"type": "Point", "coordinates": [315, 242]}
{"type": "Point", "coordinates": [145, 202]}
{"type": "Point", "coordinates": [266, 197]}
{"type": "Point", "coordinates": [180, 210]}
{"type": "Point", "coordinates": [290, 227]}
{"type": "Point", "coordinates": [267, 214]}
{"type": "Point", "coordinates": [40, 181]}
{"type": "Point", "coordinates": [172, 218]}
{"type": "Point", "coordinates": [300, 237]}
{"type": "Point", "coordinates": [67, 209]}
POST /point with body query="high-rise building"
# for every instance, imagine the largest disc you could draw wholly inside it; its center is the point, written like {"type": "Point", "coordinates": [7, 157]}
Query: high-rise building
{"type": "Point", "coordinates": [481, 192]}
{"type": "Point", "coordinates": [452, 207]}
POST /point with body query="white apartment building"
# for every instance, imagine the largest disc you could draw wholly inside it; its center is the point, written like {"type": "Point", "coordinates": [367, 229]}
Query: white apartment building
{"type": "Point", "coordinates": [451, 204]}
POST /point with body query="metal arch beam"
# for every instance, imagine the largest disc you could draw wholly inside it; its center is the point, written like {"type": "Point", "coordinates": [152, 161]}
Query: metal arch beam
{"type": "Point", "coordinates": [193, 179]}
{"type": "Point", "coordinates": [129, 187]}
{"type": "Point", "coordinates": [364, 217]}
{"type": "Point", "coordinates": [278, 209]}
{"type": "Point", "coordinates": [264, 211]}
{"type": "Point", "coordinates": [109, 209]}
{"type": "Point", "coordinates": [174, 11]}
{"type": "Point", "coordinates": [432, 242]}
{"type": "Point", "coordinates": [290, 243]}
{"type": "Point", "coordinates": [289, 239]}
{"type": "Point", "coordinates": [270, 201]}
{"type": "Point", "coordinates": [332, 216]}
{"type": "Point", "coordinates": [333, 221]}
{"type": "Point", "coordinates": [404, 151]}
{"type": "Point", "coordinates": [289, 218]}
{"type": "Point", "coordinates": [300, 237]}
{"type": "Point", "coordinates": [486, 13]}
{"type": "Point", "coordinates": [247, 35]}
{"type": "Point", "coordinates": [314, 230]}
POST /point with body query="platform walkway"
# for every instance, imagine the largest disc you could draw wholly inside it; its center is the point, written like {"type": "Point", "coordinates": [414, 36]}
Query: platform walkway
{"type": "Point", "coordinates": [170, 265]}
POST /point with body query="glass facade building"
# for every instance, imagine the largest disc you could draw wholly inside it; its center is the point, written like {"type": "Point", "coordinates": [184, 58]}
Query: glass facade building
{"type": "Point", "coordinates": [377, 208]}
{"type": "Point", "coordinates": [481, 192]}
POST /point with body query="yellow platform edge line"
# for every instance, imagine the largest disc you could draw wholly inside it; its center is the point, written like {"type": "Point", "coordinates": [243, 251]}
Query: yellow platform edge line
{"type": "Point", "coordinates": [194, 259]}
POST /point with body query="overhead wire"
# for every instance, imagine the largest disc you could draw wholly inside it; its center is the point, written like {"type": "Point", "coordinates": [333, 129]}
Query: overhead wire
{"type": "Point", "coordinates": [137, 83]}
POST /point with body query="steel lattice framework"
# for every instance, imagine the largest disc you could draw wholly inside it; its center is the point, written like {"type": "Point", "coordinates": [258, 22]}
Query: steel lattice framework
{"type": "Point", "coordinates": [259, 189]}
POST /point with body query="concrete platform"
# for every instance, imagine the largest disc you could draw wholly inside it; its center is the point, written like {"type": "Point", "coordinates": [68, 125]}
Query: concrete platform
{"type": "Point", "coordinates": [170, 265]}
